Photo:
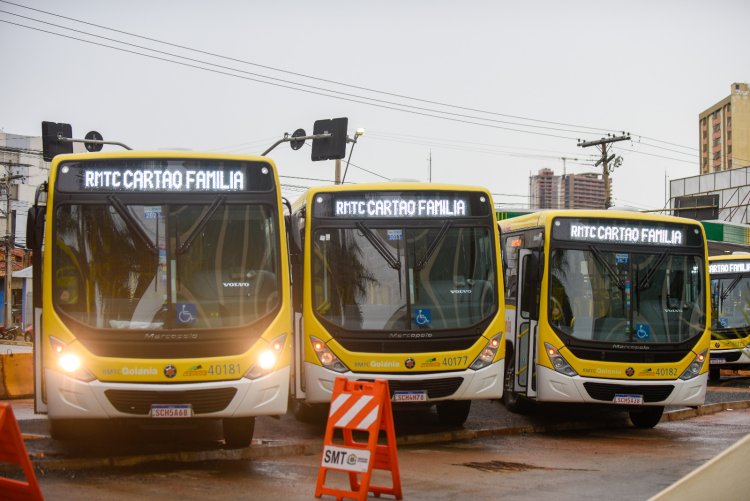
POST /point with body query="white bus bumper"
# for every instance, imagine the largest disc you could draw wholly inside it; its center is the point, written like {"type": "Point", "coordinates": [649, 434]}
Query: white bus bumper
{"type": "Point", "coordinates": [555, 387]}
{"type": "Point", "coordinates": [486, 383]}
{"type": "Point", "coordinates": [71, 398]}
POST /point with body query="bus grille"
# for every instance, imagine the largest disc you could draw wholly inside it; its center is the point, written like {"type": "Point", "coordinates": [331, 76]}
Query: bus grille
{"type": "Point", "coordinates": [436, 388]}
{"type": "Point", "coordinates": [139, 402]}
{"type": "Point", "coordinates": [606, 392]}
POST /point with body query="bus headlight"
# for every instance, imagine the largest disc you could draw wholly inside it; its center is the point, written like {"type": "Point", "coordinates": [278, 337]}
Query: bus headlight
{"type": "Point", "coordinates": [326, 357]}
{"type": "Point", "coordinates": [558, 361]}
{"type": "Point", "coordinates": [70, 362]}
{"type": "Point", "coordinates": [267, 359]}
{"type": "Point", "coordinates": [695, 366]}
{"type": "Point", "coordinates": [487, 355]}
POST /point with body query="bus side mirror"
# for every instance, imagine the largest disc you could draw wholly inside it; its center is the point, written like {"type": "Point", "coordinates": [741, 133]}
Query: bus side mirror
{"type": "Point", "coordinates": [35, 226]}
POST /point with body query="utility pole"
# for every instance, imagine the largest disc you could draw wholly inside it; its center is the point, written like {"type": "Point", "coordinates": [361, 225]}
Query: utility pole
{"type": "Point", "coordinates": [429, 168]}
{"type": "Point", "coordinates": [604, 160]}
{"type": "Point", "coordinates": [8, 241]}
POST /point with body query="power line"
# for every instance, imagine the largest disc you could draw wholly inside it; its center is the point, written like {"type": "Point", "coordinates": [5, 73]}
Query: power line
{"type": "Point", "coordinates": [401, 96]}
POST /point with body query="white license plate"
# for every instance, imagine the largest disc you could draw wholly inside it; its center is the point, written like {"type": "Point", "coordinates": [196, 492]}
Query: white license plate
{"type": "Point", "coordinates": [410, 396]}
{"type": "Point", "coordinates": [171, 411]}
{"type": "Point", "coordinates": [628, 399]}
{"type": "Point", "coordinates": [716, 361]}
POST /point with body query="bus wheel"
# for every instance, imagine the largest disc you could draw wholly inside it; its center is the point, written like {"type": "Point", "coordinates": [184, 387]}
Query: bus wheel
{"type": "Point", "coordinates": [453, 412]}
{"type": "Point", "coordinates": [714, 373]}
{"type": "Point", "coordinates": [648, 417]}
{"type": "Point", "coordinates": [309, 413]}
{"type": "Point", "coordinates": [238, 432]}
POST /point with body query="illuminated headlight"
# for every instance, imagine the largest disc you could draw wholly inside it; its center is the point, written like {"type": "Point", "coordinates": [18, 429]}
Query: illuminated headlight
{"type": "Point", "coordinates": [558, 362]}
{"type": "Point", "coordinates": [326, 356]}
{"type": "Point", "coordinates": [69, 362]}
{"type": "Point", "coordinates": [267, 359]}
{"type": "Point", "coordinates": [487, 355]}
{"type": "Point", "coordinates": [695, 366]}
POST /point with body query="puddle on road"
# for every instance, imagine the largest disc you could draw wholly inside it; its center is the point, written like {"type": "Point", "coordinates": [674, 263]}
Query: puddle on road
{"type": "Point", "coordinates": [507, 466]}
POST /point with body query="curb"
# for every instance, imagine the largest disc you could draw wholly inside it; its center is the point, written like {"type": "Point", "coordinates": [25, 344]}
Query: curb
{"type": "Point", "coordinates": [264, 449]}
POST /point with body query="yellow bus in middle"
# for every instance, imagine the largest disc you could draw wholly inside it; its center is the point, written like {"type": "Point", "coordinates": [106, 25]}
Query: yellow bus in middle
{"type": "Point", "coordinates": [399, 281]}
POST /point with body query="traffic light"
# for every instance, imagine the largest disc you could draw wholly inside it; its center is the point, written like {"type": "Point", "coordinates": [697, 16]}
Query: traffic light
{"type": "Point", "coordinates": [50, 145]}
{"type": "Point", "coordinates": [330, 148]}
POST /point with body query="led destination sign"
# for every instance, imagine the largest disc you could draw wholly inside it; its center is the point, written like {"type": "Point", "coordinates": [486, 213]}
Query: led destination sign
{"type": "Point", "coordinates": [625, 232]}
{"type": "Point", "coordinates": [725, 267]}
{"type": "Point", "coordinates": [163, 180]}
{"type": "Point", "coordinates": [400, 205]}
{"type": "Point", "coordinates": [164, 176]}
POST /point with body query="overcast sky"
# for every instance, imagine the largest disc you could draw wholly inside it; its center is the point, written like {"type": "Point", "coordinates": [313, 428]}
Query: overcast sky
{"type": "Point", "coordinates": [492, 90]}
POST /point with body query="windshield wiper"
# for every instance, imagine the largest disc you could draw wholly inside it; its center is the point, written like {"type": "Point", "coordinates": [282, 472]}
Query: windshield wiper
{"type": "Point", "coordinates": [730, 287]}
{"type": "Point", "coordinates": [433, 246]}
{"type": "Point", "coordinates": [382, 249]}
{"type": "Point", "coordinates": [646, 282]}
{"type": "Point", "coordinates": [132, 223]}
{"type": "Point", "coordinates": [598, 255]}
{"type": "Point", "coordinates": [201, 224]}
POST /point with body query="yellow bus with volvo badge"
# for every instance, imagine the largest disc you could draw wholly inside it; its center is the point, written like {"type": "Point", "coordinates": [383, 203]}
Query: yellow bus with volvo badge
{"type": "Point", "coordinates": [730, 313]}
{"type": "Point", "coordinates": [606, 307]}
{"type": "Point", "coordinates": [163, 291]}
{"type": "Point", "coordinates": [400, 281]}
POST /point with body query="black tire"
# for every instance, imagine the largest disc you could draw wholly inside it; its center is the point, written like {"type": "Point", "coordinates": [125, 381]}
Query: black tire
{"type": "Point", "coordinates": [309, 413]}
{"type": "Point", "coordinates": [714, 373]}
{"type": "Point", "coordinates": [648, 417]}
{"type": "Point", "coordinates": [453, 412]}
{"type": "Point", "coordinates": [27, 337]}
{"type": "Point", "coordinates": [238, 432]}
{"type": "Point", "coordinates": [515, 403]}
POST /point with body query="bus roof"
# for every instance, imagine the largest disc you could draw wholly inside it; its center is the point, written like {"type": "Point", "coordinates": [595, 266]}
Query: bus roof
{"type": "Point", "coordinates": [386, 186]}
{"type": "Point", "coordinates": [544, 217]}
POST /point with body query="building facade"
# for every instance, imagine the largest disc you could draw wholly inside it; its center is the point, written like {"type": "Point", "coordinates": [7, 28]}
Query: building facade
{"type": "Point", "coordinates": [571, 191]}
{"type": "Point", "coordinates": [724, 132]}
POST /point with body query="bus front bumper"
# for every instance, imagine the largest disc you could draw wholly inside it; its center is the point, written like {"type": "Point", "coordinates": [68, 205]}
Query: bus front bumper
{"type": "Point", "coordinates": [70, 398]}
{"type": "Point", "coordinates": [555, 387]}
{"type": "Point", "coordinates": [486, 383]}
{"type": "Point", "coordinates": [720, 358]}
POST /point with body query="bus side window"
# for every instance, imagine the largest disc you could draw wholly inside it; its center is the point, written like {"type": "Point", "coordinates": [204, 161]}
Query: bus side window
{"type": "Point", "coordinates": [530, 298]}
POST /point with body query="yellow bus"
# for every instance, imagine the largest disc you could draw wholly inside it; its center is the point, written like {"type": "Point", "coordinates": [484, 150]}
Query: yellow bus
{"type": "Point", "coordinates": [730, 313]}
{"type": "Point", "coordinates": [399, 281]}
{"type": "Point", "coordinates": [606, 307]}
{"type": "Point", "coordinates": [161, 291]}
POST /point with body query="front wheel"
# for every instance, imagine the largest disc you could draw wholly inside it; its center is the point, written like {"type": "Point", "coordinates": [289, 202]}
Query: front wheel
{"type": "Point", "coordinates": [453, 412]}
{"type": "Point", "coordinates": [648, 417]}
{"type": "Point", "coordinates": [238, 432]}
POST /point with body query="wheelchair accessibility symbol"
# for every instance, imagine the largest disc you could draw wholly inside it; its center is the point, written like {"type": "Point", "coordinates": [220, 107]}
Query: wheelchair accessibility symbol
{"type": "Point", "coordinates": [186, 313]}
{"type": "Point", "coordinates": [423, 317]}
{"type": "Point", "coordinates": [642, 331]}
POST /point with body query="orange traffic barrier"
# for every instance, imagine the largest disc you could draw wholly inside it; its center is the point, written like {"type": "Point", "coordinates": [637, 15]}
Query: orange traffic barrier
{"type": "Point", "coordinates": [362, 407]}
{"type": "Point", "coordinates": [12, 450]}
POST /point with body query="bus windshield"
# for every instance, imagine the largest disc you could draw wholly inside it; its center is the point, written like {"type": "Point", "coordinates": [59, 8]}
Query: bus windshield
{"type": "Point", "coordinates": [730, 302]}
{"type": "Point", "coordinates": [626, 297]}
{"type": "Point", "coordinates": [165, 266]}
{"type": "Point", "coordinates": [368, 278]}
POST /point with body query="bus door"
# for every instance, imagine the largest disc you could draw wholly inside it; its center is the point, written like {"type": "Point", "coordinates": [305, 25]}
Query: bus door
{"type": "Point", "coordinates": [526, 335]}
{"type": "Point", "coordinates": [34, 240]}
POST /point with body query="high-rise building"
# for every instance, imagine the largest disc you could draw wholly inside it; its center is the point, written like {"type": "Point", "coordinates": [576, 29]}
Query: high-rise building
{"type": "Point", "coordinates": [544, 190]}
{"type": "Point", "coordinates": [724, 132]}
{"type": "Point", "coordinates": [571, 191]}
